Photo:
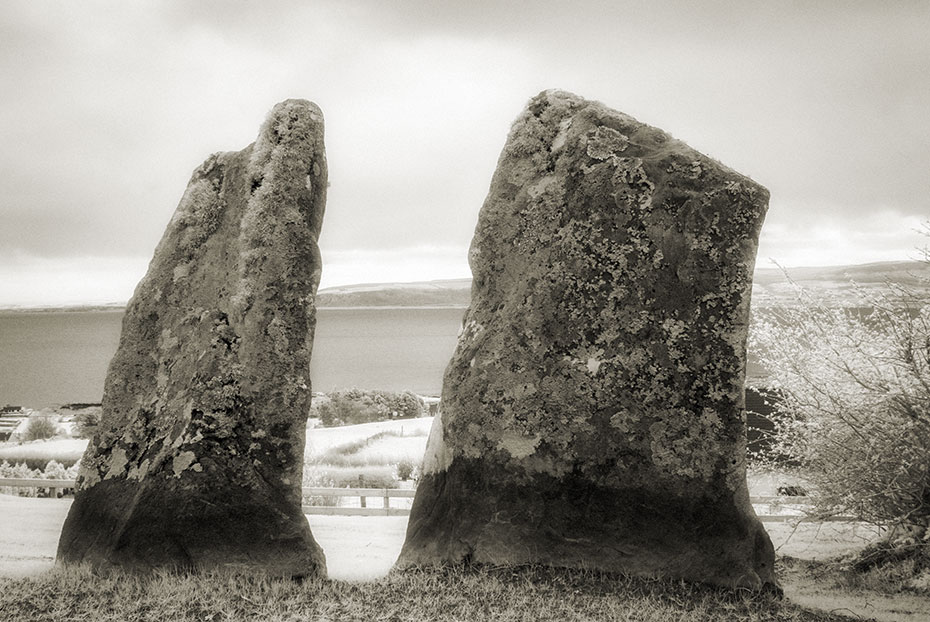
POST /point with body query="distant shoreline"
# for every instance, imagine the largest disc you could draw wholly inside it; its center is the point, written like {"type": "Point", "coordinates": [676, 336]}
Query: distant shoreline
{"type": "Point", "coordinates": [391, 307]}
{"type": "Point", "coordinates": [77, 309]}
{"type": "Point", "coordinates": [94, 309]}
{"type": "Point", "coordinates": [845, 284]}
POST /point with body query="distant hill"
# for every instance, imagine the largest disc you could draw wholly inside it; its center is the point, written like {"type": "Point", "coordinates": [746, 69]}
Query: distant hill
{"type": "Point", "coordinates": [770, 286]}
{"type": "Point", "coordinates": [75, 308]}
{"type": "Point", "coordinates": [444, 293]}
{"type": "Point", "coordinates": [847, 285]}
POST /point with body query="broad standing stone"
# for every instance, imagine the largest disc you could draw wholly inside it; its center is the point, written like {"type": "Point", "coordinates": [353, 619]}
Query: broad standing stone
{"type": "Point", "coordinates": [198, 460]}
{"type": "Point", "coordinates": [592, 411]}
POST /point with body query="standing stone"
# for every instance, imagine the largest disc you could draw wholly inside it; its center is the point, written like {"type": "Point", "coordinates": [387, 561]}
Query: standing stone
{"type": "Point", "coordinates": [198, 461]}
{"type": "Point", "coordinates": [592, 414]}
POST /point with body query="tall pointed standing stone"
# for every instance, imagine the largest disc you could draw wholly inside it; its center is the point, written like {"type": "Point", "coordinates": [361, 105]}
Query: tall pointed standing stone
{"type": "Point", "coordinates": [592, 411]}
{"type": "Point", "coordinates": [198, 460]}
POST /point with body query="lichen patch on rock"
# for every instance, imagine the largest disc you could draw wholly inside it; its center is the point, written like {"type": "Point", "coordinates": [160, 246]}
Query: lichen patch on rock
{"type": "Point", "coordinates": [595, 392]}
{"type": "Point", "coordinates": [198, 459]}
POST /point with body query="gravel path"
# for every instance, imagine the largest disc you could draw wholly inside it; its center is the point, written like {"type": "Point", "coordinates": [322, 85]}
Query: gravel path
{"type": "Point", "coordinates": [361, 548]}
{"type": "Point", "coordinates": [357, 548]}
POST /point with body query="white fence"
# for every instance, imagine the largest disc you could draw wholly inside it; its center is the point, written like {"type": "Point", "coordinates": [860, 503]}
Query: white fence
{"type": "Point", "coordinates": [55, 487]}
{"type": "Point", "coordinates": [794, 506]}
{"type": "Point", "coordinates": [328, 497]}
{"type": "Point", "coordinates": [363, 494]}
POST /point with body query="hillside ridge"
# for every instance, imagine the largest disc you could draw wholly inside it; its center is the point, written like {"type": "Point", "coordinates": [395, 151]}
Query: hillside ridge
{"type": "Point", "coordinates": [846, 283]}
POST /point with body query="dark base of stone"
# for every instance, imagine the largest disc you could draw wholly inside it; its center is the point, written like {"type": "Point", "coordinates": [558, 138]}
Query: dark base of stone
{"type": "Point", "coordinates": [464, 516]}
{"type": "Point", "coordinates": [139, 527]}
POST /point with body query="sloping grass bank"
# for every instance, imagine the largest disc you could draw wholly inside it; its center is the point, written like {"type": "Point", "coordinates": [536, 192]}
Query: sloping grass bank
{"type": "Point", "coordinates": [36, 454]}
{"type": "Point", "coordinates": [484, 595]}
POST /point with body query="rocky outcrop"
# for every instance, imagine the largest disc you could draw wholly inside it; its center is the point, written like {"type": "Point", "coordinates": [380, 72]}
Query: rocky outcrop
{"type": "Point", "coordinates": [592, 411]}
{"type": "Point", "coordinates": [197, 462]}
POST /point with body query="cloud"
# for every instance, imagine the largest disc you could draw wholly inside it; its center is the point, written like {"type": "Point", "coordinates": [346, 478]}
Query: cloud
{"type": "Point", "coordinates": [28, 281]}
{"type": "Point", "coordinates": [403, 265]}
{"type": "Point", "coordinates": [106, 108]}
{"type": "Point", "coordinates": [817, 238]}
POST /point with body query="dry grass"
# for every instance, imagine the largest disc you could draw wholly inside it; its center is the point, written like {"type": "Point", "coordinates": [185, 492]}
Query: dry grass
{"type": "Point", "coordinates": [319, 440]}
{"type": "Point", "coordinates": [891, 592]}
{"type": "Point", "coordinates": [328, 476]}
{"type": "Point", "coordinates": [477, 595]}
{"type": "Point", "coordinates": [389, 447]}
{"type": "Point", "coordinates": [889, 567]}
{"type": "Point", "coordinates": [366, 455]}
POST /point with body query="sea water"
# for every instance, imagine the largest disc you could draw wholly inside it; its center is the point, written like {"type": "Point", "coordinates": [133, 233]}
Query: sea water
{"type": "Point", "coordinates": [53, 358]}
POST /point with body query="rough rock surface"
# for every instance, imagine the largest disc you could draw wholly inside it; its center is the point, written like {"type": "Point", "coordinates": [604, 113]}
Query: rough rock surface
{"type": "Point", "coordinates": [197, 464]}
{"type": "Point", "coordinates": [592, 411]}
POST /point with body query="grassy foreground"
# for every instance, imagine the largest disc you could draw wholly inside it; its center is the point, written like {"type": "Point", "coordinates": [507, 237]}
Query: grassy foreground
{"type": "Point", "coordinates": [502, 595]}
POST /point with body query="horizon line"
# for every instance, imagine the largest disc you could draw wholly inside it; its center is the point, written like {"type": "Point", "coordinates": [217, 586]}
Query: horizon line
{"type": "Point", "coordinates": [116, 305]}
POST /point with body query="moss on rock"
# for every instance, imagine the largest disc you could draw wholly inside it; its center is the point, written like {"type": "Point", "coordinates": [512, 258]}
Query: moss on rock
{"type": "Point", "coordinates": [197, 460]}
{"type": "Point", "coordinates": [605, 348]}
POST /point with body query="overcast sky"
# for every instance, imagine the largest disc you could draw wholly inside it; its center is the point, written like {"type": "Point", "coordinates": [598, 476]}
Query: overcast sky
{"type": "Point", "coordinates": [107, 107]}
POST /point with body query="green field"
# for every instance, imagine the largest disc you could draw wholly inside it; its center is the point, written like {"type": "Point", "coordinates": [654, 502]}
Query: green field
{"type": "Point", "coordinates": [363, 548]}
{"type": "Point", "coordinates": [478, 595]}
